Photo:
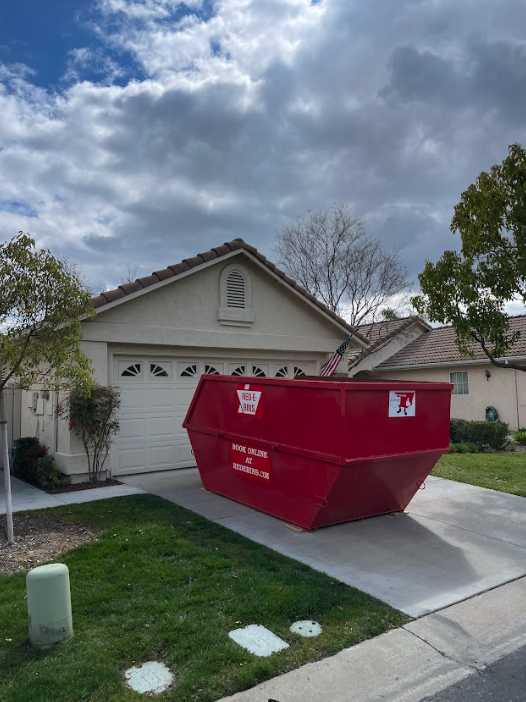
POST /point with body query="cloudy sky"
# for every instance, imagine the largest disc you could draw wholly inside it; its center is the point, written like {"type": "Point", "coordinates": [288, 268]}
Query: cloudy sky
{"type": "Point", "coordinates": [143, 131]}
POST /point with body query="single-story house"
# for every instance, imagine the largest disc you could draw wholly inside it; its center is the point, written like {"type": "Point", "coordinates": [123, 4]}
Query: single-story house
{"type": "Point", "coordinates": [409, 349]}
{"type": "Point", "coordinates": [225, 311]}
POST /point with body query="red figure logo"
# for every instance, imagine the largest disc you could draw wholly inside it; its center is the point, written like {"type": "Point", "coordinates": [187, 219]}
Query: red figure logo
{"type": "Point", "coordinates": [402, 403]}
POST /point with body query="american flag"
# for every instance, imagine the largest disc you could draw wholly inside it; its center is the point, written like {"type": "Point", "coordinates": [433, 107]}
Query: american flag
{"type": "Point", "coordinates": [331, 363]}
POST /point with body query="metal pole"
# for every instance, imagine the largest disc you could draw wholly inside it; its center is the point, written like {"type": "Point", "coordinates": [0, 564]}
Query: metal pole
{"type": "Point", "coordinates": [5, 454]}
{"type": "Point", "coordinates": [7, 477]}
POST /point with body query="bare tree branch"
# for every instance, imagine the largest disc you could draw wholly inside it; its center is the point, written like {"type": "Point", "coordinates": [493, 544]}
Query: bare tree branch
{"type": "Point", "coordinates": [330, 253]}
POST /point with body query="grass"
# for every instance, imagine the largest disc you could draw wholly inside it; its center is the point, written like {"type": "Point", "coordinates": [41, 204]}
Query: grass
{"type": "Point", "coordinates": [164, 584]}
{"type": "Point", "coordinates": [505, 472]}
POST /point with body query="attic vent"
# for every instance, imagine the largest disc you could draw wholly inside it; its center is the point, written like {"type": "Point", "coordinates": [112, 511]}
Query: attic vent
{"type": "Point", "coordinates": [236, 290]}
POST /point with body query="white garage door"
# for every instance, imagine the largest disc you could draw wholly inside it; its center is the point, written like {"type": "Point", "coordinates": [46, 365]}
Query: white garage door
{"type": "Point", "coordinates": [155, 395]}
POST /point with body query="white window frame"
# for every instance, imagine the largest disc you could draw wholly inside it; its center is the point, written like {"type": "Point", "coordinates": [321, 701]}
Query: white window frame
{"type": "Point", "coordinates": [460, 380]}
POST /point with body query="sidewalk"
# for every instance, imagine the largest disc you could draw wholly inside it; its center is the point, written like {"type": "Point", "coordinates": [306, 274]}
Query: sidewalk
{"type": "Point", "coordinates": [26, 496]}
{"type": "Point", "coordinates": [410, 664]}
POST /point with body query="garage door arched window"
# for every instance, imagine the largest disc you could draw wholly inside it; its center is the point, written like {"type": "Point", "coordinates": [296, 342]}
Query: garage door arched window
{"type": "Point", "coordinates": [131, 371]}
{"type": "Point", "coordinates": [158, 370]}
{"type": "Point", "coordinates": [189, 371]}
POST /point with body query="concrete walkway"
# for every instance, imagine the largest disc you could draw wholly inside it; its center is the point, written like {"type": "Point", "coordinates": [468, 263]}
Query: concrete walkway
{"type": "Point", "coordinates": [454, 542]}
{"type": "Point", "coordinates": [28, 497]}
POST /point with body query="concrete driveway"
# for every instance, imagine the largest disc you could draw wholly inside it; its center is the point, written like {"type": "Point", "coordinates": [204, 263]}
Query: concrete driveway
{"type": "Point", "coordinates": [454, 541]}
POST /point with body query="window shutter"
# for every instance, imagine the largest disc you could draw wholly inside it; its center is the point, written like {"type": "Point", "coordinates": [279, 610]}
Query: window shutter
{"type": "Point", "coordinates": [236, 290]}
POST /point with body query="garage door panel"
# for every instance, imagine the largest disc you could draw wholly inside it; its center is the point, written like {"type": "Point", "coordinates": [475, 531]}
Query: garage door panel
{"type": "Point", "coordinates": [157, 397]}
{"type": "Point", "coordinates": [132, 399]}
{"type": "Point", "coordinates": [162, 457]}
{"type": "Point", "coordinates": [131, 459]}
{"type": "Point", "coordinates": [185, 457]}
{"type": "Point", "coordinates": [131, 428]}
{"type": "Point", "coordinates": [161, 426]}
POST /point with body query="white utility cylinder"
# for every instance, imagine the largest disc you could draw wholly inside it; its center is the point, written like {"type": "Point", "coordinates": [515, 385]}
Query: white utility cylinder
{"type": "Point", "coordinates": [49, 605]}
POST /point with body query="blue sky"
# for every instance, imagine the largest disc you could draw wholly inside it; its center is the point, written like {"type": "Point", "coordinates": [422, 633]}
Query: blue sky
{"type": "Point", "coordinates": [41, 33]}
{"type": "Point", "coordinates": [139, 132]}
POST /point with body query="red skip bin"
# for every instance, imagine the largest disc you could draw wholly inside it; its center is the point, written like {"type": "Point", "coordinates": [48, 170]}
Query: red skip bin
{"type": "Point", "coordinates": [318, 451]}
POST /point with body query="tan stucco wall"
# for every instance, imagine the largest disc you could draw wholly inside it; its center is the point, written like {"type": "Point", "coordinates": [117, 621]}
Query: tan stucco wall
{"type": "Point", "coordinates": [501, 391]}
{"type": "Point", "coordinates": [185, 313]}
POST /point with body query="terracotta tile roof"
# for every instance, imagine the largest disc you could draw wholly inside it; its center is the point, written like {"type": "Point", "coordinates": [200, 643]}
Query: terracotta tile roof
{"type": "Point", "coordinates": [438, 346]}
{"type": "Point", "coordinates": [196, 261]}
{"type": "Point", "coordinates": [380, 333]}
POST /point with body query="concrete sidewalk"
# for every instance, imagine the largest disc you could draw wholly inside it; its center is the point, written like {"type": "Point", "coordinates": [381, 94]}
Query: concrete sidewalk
{"type": "Point", "coordinates": [412, 663]}
{"type": "Point", "coordinates": [27, 497]}
{"type": "Point", "coordinates": [454, 542]}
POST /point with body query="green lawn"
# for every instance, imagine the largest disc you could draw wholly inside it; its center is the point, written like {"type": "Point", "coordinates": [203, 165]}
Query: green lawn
{"type": "Point", "coordinates": [164, 584]}
{"type": "Point", "coordinates": [499, 471]}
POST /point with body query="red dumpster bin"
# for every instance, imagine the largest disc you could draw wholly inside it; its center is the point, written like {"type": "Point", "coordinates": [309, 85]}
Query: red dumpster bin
{"type": "Point", "coordinates": [315, 452]}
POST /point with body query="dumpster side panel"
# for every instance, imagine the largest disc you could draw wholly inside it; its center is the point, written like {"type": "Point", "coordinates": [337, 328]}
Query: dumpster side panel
{"type": "Point", "coordinates": [295, 491]}
{"type": "Point", "coordinates": [288, 413]}
{"type": "Point", "coordinates": [377, 486]}
{"type": "Point", "coordinates": [371, 429]}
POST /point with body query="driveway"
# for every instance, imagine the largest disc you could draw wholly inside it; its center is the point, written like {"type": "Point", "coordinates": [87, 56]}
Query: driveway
{"type": "Point", "coordinates": [453, 542]}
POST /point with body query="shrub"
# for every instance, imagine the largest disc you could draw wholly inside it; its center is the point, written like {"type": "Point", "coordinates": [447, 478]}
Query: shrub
{"type": "Point", "coordinates": [464, 447]}
{"type": "Point", "coordinates": [47, 475]}
{"type": "Point", "coordinates": [93, 419]}
{"type": "Point", "coordinates": [520, 437]}
{"type": "Point", "coordinates": [483, 434]}
{"type": "Point", "coordinates": [28, 451]}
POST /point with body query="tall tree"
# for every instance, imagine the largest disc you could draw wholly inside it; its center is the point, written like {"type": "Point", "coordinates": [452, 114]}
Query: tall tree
{"type": "Point", "coordinates": [330, 253]}
{"type": "Point", "coordinates": [469, 289]}
{"type": "Point", "coordinates": [42, 303]}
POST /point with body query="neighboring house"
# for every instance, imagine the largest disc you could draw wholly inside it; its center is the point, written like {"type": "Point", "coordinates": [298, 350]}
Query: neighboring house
{"type": "Point", "coordinates": [410, 349]}
{"type": "Point", "coordinates": [225, 311]}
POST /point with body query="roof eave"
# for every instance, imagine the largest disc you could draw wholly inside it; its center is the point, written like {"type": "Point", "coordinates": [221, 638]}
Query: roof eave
{"type": "Point", "coordinates": [445, 364]}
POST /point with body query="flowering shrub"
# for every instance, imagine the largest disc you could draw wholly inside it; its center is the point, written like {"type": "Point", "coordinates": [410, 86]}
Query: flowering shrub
{"type": "Point", "coordinates": [93, 419]}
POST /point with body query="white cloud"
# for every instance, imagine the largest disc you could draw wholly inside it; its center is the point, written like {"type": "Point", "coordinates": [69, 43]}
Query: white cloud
{"type": "Point", "coordinates": [248, 114]}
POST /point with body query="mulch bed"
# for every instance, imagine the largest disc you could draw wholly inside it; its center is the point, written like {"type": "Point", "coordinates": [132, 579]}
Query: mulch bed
{"type": "Point", "coordinates": [81, 486]}
{"type": "Point", "coordinates": [39, 539]}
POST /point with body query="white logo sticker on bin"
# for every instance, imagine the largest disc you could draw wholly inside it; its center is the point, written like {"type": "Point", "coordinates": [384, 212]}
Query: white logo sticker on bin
{"type": "Point", "coordinates": [402, 403]}
{"type": "Point", "coordinates": [249, 400]}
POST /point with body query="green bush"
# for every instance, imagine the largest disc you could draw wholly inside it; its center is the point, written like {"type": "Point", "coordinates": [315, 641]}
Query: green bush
{"type": "Point", "coordinates": [463, 447]}
{"type": "Point", "coordinates": [28, 451]}
{"type": "Point", "coordinates": [47, 475]}
{"type": "Point", "coordinates": [483, 434]}
{"type": "Point", "coordinates": [520, 437]}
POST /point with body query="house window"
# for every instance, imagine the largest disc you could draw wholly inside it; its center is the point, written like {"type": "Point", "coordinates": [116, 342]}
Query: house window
{"type": "Point", "coordinates": [258, 372]}
{"type": "Point", "coordinates": [236, 290]}
{"type": "Point", "coordinates": [240, 370]}
{"type": "Point", "coordinates": [132, 371]}
{"type": "Point", "coordinates": [282, 372]}
{"type": "Point", "coordinates": [460, 383]}
{"type": "Point", "coordinates": [298, 372]}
